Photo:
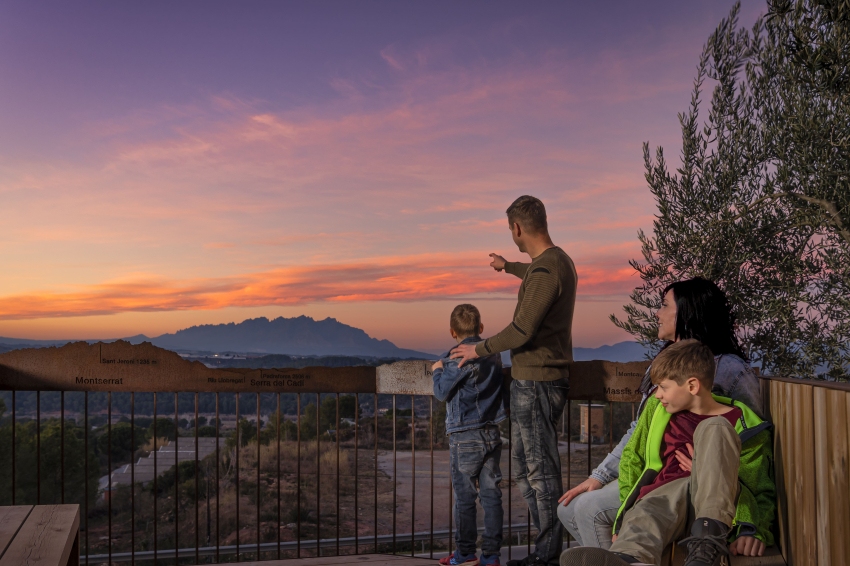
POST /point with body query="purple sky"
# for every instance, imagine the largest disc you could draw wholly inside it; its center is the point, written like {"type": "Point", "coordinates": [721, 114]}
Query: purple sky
{"type": "Point", "coordinates": [167, 164]}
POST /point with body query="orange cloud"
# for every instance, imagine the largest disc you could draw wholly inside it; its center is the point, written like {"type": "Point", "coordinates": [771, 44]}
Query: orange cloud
{"type": "Point", "coordinates": [424, 277]}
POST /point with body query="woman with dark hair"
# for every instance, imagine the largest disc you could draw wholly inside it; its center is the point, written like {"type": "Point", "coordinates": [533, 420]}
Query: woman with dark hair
{"type": "Point", "coordinates": [694, 308]}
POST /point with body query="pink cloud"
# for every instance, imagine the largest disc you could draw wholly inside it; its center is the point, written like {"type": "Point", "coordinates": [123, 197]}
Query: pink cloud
{"type": "Point", "coordinates": [416, 278]}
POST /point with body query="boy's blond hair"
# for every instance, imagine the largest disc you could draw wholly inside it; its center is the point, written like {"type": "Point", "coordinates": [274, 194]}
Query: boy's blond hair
{"type": "Point", "coordinates": [682, 360]}
{"type": "Point", "coordinates": [465, 320]}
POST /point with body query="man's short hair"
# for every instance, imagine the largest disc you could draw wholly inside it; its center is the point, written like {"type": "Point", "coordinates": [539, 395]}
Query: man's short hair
{"type": "Point", "coordinates": [465, 320]}
{"type": "Point", "coordinates": [528, 212]}
{"type": "Point", "coordinates": [682, 360]}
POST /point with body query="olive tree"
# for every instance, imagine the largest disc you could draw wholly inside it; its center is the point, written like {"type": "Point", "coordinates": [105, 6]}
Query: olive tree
{"type": "Point", "coordinates": [761, 200]}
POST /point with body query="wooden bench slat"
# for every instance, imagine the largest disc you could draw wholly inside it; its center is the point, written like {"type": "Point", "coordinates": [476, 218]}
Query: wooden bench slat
{"type": "Point", "coordinates": [365, 559]}
{"type": "Point", "coordinates": [46, 538]}
{"type": "Point", "coordinates": [11, 520]}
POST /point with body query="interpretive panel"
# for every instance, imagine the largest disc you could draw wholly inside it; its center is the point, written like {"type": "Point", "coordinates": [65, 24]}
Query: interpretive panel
{"type": "Point", "coordinates": [121, 366]}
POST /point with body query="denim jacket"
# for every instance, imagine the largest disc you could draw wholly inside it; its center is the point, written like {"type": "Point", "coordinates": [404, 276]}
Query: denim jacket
{"type": "Point", "coordinates": [733, 378]}
{"type": "Point", "coordinates": [474, 393]}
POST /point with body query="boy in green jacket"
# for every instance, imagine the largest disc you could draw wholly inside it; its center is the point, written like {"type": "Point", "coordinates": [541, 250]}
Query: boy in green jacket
{"type": "Point", "coordinates": [695, 460]}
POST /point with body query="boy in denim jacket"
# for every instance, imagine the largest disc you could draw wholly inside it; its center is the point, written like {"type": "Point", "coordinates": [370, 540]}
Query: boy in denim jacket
{"type": "Point", "coordinates": [475, 404]}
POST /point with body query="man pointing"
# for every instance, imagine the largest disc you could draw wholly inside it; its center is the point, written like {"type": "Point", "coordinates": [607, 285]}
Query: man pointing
{"type": "Point", "coordinates": [540, 341]}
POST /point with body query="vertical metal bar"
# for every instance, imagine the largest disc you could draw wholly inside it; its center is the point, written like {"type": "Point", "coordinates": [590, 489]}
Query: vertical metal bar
{"type": "Point", "coordinates": [589, 436]}
{"type": "Point", "coordinates": [356, 473]}
{"type": "Point", "coordinates": [62, 442]}
{"type": "Point", "coordinates": [14, 450]}
{"type": "Point", "coordinates": [238, 442]}
{"type": "Point", "coordinates": [451, 506]}
{"type": "Point", "coordinates": [86, 466]}
{"type": "Point", "coordinates": [258, 477]}
{"type": "Point", "coordinates": [375, 508]}
{"type": "Point", "coordinates": [38, 447]}
{"type": "Point", "coordinates": [570, 456]}
{"type": "Point", "coordinates": [569, 445]}
{"type": "Point", "coordinates": [217, 481]}
{"type": "Point", "coordinates": [155, 492]}
{"type": "Point", "coordinates": [133, 479]}
{"type": "Point", "coordinates": [109, 468]}
{"type": "Point", "coordinates": [176, 478]}
{"type": "Point", "coordinates": [337, 473]}
{"type": "Point", "coordinates": [318, 477]}
{"type": "Point", "coordinates": [278, 475]}
{"type": "Point", "coordinates": [197, 494]}
{"type": "Point", "coordinates": [298, 480]}
{"type": "Point", "coordinates": [395, 466]}
{"type": "Point", "coordinates": [431, 444]}
{"type": "Point", "coordinates": [413, 473]}
{"type": "Point", "coordinates": [510, 489]}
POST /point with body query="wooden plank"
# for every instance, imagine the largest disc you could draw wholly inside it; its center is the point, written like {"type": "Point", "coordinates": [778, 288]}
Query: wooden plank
{"type": "Point", "coordinates": [46, 538]}
{"type": "Point", "coordinates": [364, 559]}
{"type": "Point", "coordinates": [121, 366]}
{"type": "Point", "coordinates": [11, 520]}
{"type": "Point", "coordinates": [792, 411]}
{"type": "Point", "coordinates": [832, 458]}
{"type": "Point", "coordinates": [776, 406]}
{"type": "Point", "coordinates": [772, 557]}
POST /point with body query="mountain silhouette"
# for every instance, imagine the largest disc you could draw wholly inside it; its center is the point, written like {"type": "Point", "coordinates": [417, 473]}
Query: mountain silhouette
{"type": "Point", "coordinates": [301, 336]}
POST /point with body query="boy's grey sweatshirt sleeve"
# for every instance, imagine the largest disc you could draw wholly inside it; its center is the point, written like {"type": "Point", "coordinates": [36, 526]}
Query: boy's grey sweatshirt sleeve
{"type": "Point", "coordinates": [609, 469]}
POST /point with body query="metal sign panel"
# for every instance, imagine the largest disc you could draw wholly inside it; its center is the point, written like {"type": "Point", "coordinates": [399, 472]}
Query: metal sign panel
{"type": "Point", "coordinates": [121, 366]}
{"type": "Point", "coordinates": [598, 380]}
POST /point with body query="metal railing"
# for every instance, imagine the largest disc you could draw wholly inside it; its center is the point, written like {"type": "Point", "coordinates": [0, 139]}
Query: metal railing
{"type": "Point", "coordinates": [287, 475]}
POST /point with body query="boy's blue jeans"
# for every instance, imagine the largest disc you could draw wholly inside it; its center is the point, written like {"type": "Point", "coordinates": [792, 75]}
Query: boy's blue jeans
{"type": "Point", "coordinates": [536, 408]}
{"type": "Point", "coordinates": [474, 456]}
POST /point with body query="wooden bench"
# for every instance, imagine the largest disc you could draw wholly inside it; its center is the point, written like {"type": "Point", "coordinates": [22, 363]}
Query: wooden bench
{"type": "Point", "coordinates": [40, 535]}
{"type": "Point", "coordinates": [772, 557]}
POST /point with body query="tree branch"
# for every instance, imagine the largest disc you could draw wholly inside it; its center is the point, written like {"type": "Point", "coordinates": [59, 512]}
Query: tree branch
{"type": "Point", "coordinates": [832, 212]}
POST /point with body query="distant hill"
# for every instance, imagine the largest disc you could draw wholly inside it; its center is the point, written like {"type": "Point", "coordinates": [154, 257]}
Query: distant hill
{"type": "Point", "coordinates": [302, 336]}
{"type": "Point", "coordinates": [619, 352]}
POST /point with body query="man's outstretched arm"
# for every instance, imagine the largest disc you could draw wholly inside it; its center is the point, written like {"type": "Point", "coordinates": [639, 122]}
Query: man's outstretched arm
{"type": "Point", "coordinates": [516, 268]}
{"type": "Point", "coordinates": [541, 290]}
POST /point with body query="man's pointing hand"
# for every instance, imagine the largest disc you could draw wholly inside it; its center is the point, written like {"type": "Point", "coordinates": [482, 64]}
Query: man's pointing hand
{"type": "Point", "coordinates": [498, 262]}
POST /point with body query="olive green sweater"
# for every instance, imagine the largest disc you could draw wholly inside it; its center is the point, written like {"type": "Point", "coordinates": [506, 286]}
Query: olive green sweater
{"type": "Point", "coordinates": [540, 336]}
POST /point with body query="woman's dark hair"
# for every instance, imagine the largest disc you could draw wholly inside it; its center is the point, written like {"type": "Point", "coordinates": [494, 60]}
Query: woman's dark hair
{"type": "Point", "coordinates": [704, 313]}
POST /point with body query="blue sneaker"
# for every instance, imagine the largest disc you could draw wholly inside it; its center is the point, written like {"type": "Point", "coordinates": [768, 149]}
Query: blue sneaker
{"type": "Point", "coordinates": [491, 560]}
{"type": "Point", "coordinates": [454, 559]}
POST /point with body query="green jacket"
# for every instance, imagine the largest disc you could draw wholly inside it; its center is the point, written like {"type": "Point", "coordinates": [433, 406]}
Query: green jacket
{"type": "Point", "coordinates": [641, 462]}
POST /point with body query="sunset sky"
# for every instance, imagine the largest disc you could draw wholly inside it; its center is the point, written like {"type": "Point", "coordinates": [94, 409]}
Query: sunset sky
{"type": "Point", "coordinates": [165, 164]}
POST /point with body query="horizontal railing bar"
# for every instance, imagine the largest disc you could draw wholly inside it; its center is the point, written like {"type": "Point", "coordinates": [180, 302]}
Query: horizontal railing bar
{"type": "Point", "coordinates": [270, 546]}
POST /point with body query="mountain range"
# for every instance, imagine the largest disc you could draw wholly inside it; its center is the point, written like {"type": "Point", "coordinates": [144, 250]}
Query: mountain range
{"type": "Point", "coordinates": [302, 336]}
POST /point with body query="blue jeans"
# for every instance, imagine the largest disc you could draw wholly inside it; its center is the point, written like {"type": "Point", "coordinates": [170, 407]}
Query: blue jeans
{"type": "Point", "coordinates": [474, 456]}
{"type": "Point", "coordinates": [590, 516]}
{"type": "Point", "coordinates": [536, 408]}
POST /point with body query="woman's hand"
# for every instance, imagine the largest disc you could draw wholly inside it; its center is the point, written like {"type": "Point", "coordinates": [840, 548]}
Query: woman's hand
{"type": "Point", "coordinates": [589, 484]}
{"type": "Point", "coordinates": [747, 546]}
{"type": "Point", "coordinates": [685, 462]}
{"type": "Point", "coordinates": [437, 365]}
